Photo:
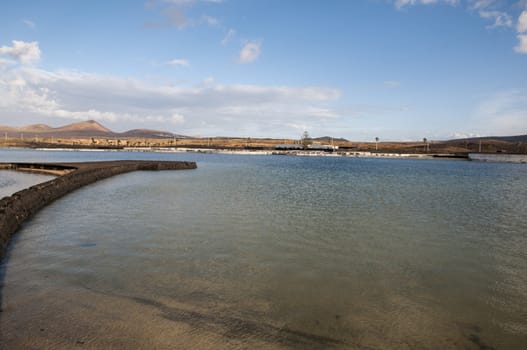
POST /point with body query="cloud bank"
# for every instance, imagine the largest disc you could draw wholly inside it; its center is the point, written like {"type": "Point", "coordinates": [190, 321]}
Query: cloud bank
{"type": "Point", "coordinates": [208, 109]}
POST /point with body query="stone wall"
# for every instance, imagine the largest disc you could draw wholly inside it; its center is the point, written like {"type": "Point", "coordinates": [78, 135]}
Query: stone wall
{"type": "Point", "coordinates": [16, 209]}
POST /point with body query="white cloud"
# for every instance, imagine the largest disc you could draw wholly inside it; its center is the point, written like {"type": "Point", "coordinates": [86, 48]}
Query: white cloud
{"type": "Point", "coordinates": [4, 63]}
{"type": "Point", "coordinates": [490, 10]}
{"type": "Point", "coordinates": [402, 3]}
{"type": "Point", "coordinates": [250, 51]}
{"type": "Point", "coordinates": [228, 37]}
{"type": "Point", "coordinates": [480, 4]}
{"type": "Point", "coordinates": [521, 27]}
{"type": "Point", "coordinates": [29, 23]}
{"type": "Point", "coordinates": [209, 20]}
{"type": "Point", "coordinates": [208, 81]}
{"type": "Point", "coordinates": [501, 19]}
{"type": "Point", "coordinates": [208, 108]}
{"type": "Point", "coordinates": [178, 62]}
{"type": "Point", "coordinates": [22, 51]}
{"type": "Point", "coordinates": [522, 45]}
{"type": "Point", "coordinates": [177, 118]}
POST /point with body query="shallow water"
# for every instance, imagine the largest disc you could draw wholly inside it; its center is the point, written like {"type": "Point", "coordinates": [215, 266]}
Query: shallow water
{"type": "Point", "coordinates": [12, 181]}
{"type": "Point", "coordinates": [274, 252]}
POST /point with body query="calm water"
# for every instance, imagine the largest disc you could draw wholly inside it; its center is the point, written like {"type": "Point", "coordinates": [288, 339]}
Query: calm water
{"type": "Point", "coordinates": [274, 252]}
{"type": "Point", "coordinates": [12, 181]}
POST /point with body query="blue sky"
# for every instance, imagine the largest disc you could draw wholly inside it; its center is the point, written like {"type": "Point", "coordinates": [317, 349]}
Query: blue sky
{"type": "Point", "coordinates": [399, 70]}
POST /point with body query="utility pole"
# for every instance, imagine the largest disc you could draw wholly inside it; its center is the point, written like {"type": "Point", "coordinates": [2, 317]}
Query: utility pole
{"type": "Point", "coordinates": [479, 145]}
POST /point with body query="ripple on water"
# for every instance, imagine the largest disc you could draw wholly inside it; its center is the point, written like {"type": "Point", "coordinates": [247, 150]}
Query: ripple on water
{"type": "Point", "coordinates": [277, 252]}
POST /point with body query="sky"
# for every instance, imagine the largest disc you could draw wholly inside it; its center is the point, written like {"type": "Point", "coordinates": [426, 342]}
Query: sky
{"type": "Point", "coordinates": [358, 69]}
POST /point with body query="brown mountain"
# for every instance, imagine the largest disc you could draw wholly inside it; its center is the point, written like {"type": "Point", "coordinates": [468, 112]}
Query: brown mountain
{"type": "Point", "coordinates": [85, 129]}
{"type": "Point", "coordinates": [35, 128]}
{"type": "Point", "coordinates": [89, 126]}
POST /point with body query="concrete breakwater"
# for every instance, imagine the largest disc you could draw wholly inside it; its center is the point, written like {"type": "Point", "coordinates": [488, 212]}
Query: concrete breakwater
{"type": "Point", "coordinates": [16, 209]}
{"type": "Point", "coordinates": [498, 157]}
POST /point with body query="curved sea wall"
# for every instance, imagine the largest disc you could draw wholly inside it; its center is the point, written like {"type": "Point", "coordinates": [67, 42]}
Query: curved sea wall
{"type": "Point", "coordinates": [16, 209]}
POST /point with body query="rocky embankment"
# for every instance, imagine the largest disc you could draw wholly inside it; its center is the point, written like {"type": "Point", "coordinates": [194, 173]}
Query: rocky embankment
{"type": "Point", "coordinates": [16, 209]}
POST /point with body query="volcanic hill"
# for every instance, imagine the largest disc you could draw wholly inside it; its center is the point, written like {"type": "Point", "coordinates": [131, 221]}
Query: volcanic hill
{"type": "Point", "coordinates": [84, 129]}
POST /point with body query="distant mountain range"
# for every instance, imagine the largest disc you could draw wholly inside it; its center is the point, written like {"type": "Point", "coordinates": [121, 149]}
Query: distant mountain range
{"type": "Point", "coordinates": [91, 128]}
{"type": "Point", "coordinates": [85, 129]}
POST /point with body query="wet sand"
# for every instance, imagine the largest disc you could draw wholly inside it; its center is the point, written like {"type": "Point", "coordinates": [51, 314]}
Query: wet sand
{"type": "Point", "coordinates": [67, 317]}
{"type": "Point", "coordinates": [93, 320]}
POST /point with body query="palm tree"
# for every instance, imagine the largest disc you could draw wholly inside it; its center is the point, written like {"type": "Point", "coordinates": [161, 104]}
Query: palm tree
{"type": "Point", "coordinates": [306, 140]}
{"type": "Point", "coordinates": [376, 143]}
{"type": "Point", "coordinates": [425, 141]}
